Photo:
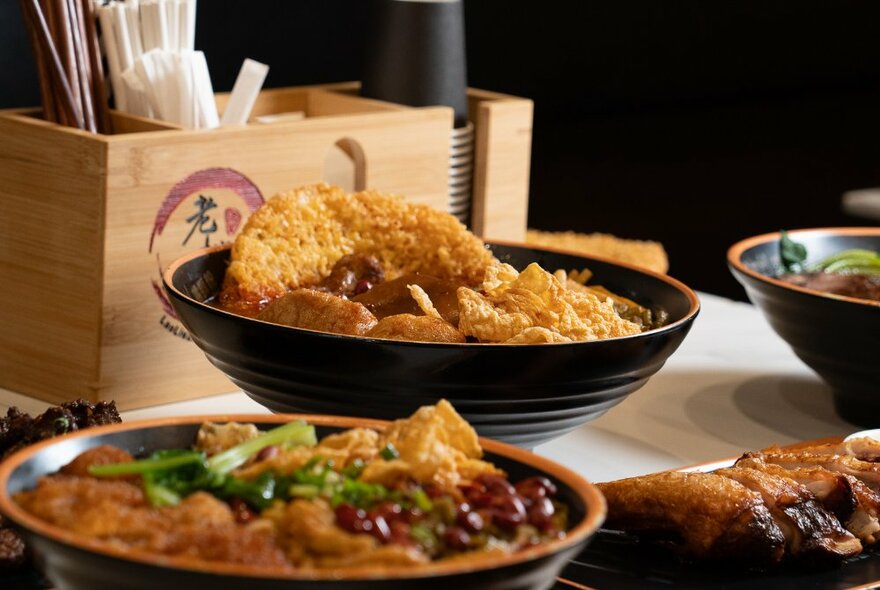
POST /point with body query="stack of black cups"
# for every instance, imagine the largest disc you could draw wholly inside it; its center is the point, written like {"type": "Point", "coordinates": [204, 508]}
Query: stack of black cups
{"type": "Point", "coordinates": [415, 55]}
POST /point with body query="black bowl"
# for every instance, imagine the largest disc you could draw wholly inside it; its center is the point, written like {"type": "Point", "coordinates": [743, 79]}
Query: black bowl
{"type": "Point", "coordinates": [838, 337]}
{"type": "Point", "coordinates": [522, 394]}
{"type": "Point", "coordinates": [72, 562]}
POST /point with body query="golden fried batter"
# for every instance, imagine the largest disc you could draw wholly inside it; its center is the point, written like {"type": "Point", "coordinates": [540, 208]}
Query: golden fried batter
{"type": "Point", "coordinates": [416, 328]}
{"type": "Point", "coordinates": [515, 303]}
{"type": "Point", "coordinates": [316, 310]}
{"type": "Point", "coordinates": [295, 238]}
{"type": "Point", "coordinates": [435, 444]}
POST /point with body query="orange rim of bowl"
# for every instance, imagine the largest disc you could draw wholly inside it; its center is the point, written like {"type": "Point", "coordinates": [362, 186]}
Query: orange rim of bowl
{"type": "Point", "coordinates": [589, 494]}
{"type": "Point", "coordinates": [693, 300]}
{"type": "Point", "coordinates": [735, 252]}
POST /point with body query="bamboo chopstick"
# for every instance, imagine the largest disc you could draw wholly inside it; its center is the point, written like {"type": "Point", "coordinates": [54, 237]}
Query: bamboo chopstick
{"type": "Point", "coordinates": [63, 36]}
{"type": "Point", "coordinates": [99, 87]}
{"type": "Point", "coordinates": [62, 90]}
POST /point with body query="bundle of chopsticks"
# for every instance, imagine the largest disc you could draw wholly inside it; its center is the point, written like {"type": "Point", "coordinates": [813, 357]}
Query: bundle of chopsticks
{"type": "Point", "coordinates": [71, 77]}
{"type": "Point", "coordinates": [154, 69]}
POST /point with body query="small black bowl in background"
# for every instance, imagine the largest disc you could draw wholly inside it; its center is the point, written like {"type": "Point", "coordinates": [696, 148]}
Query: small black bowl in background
{"type": "Point", "coordinates": [73, 562]}
{"type": "Point", "coordinates": [521, 394]}
{"type": "Point", "coordinates": [836, 336]}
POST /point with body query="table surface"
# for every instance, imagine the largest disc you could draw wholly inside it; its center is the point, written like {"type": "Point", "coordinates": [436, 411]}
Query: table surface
{"type": "Point", "coordinates": [734, 385]}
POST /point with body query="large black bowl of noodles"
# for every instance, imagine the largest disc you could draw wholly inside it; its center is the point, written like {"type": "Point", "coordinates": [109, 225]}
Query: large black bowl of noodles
{"type": "Point", "coordinates": [838, 336]}
{"type": "Point", "coordinates": [521, 394]}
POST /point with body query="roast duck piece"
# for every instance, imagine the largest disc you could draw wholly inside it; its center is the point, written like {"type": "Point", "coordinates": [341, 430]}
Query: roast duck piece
{"type": "Point", "coordinates": [818, 504]}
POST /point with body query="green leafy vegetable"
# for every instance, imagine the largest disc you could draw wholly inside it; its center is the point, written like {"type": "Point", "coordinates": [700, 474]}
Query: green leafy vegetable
{"type": "Point", "coordinates": [296, 433]}
{"type": "Point", "coordinates": [793, 254]}
{"type": "Point", "coordinates": [156, 462]}
{"type": "Point", "coordinates": [854, 261]}
{"type": "Point", "coordinates": [170, 475]}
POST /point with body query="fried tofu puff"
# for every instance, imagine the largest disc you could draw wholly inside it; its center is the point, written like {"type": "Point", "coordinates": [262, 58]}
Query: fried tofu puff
{"type": "Point", "coordinates": [316, 310]}
{"type": "Point", "coordinates": [416, 328]}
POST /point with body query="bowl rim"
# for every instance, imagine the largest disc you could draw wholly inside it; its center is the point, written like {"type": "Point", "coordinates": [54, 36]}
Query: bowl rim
{"type": "Point", "coordinates": [735, 252]}
{"type": "Point", "coordinates": [594, 502]}
{"type": "Point", "coordinates": [692, 312]}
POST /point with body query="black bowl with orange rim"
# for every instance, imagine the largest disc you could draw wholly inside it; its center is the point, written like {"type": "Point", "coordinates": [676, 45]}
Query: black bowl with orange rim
{"type": "Point", "coordinates": [837, 336]}
{"type": "Point", "coordinates": [73, 562]}
{"type": "Point", "coordinates": [521, 394]}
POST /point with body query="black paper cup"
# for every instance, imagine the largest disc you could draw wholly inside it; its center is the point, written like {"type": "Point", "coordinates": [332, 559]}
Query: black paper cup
{"type": "Point", "coordinates": [415, 54]}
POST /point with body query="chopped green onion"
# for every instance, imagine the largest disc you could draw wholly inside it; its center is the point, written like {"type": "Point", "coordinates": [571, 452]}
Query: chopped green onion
{"type": "Point", "coordinates": [303, 490]}
{"type": "Point", "coordinates": [296, 433]}
{"type": "Point", "coordinates": [388, 452]}
{"type": "Point", "coordinates": [423, 535]}
{"type": "Point", "coordinates": [159, 495]}
{"type": "Point", "coordinates": [146, 465]}
{"type": "Point", "coordinates": [354, 469]}
{"type": "Point", "coordinates": [421, 500]}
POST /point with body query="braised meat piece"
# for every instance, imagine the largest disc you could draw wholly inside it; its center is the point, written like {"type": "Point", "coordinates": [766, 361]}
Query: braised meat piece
{"type": "Point", "coordinates": [352, 275]}
{"type": "Point", "coordinates": [850, 285]}
{"type": "Point", "coordinates": [19, 429]}
{"type": "Point", "coordinates": [393, 297]}
{"type": "Point", "coordinates": [12, 550]}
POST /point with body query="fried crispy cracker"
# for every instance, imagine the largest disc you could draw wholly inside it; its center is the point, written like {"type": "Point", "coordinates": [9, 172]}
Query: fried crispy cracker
{"type": "Point", "coordinates": [513, 304]}
{"type": "Point", "coordinates": [436, 445]}
{"type": "Point", "coordinates": [295, 238]}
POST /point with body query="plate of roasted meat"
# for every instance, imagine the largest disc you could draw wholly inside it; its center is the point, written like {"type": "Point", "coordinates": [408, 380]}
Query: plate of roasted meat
{"type": "Point", "coordinates": [806, 516]}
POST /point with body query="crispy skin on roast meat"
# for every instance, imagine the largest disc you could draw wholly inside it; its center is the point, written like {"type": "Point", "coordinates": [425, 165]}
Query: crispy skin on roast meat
{"type": "Point", "coordinates": [863, 449]}
{"type": "Point", "coordinates": [811, 531]}
{"type": "Point", "coordinates": [705, 515]}
{"type": "Point", "coordinates": [866, 471]}
{"type": "Point", "coordinates": [854, 504]}
{"type": "Point", "coordinates": [19, 429]}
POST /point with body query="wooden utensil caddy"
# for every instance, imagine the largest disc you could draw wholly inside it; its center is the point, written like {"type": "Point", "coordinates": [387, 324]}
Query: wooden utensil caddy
{"type": "Point", "coordinates": [88, 221]}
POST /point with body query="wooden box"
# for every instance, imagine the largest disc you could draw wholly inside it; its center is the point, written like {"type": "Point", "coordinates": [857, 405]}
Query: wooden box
{"type": "Point", "coordinates": [88, 221]}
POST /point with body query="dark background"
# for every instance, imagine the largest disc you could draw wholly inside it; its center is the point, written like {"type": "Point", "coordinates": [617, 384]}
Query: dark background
{"type": "Point", "coordinates": [691, 122]}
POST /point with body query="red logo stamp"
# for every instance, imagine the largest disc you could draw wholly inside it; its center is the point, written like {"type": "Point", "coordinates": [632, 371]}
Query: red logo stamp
{"type": "Point", "coordinates": [204, 209]}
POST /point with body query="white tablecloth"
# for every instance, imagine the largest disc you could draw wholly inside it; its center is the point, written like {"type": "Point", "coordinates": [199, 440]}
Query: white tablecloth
{"type": "Point", "coordinates": [732, 386]}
